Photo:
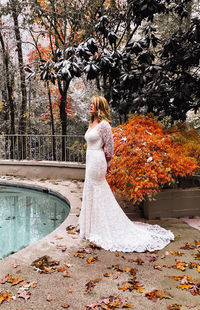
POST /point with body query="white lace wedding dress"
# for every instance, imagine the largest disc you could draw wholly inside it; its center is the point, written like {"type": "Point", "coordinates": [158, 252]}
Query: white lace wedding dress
{"type": "Point", "coordinates": [102, 220]}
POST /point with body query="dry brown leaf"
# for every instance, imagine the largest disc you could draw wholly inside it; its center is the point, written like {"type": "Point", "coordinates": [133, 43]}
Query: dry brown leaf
{"type": "Point", "coordinates": [187, 246]}
{"type": "Point", "coordinates": [197, 255]}
{"type": "Point", "coordinates": [139, 261]}
{"type": "Point", "coordinates": [63, 268]}
{"type": "Point", "coordinates": [108, 275]}
{"type": "Point", "coordinates": [197, 243]}
{"type": "Point", "coordinates": [5, 297]}
{"type": "Point", "coordinates": [92, 259]}
{"type": "Point", "coordinates": [94, 246]}
{"type": "Point", "coordinates": [15, 281]}
{"type": "Point", "coordinates": [79, 255]}
{"type": "Point", "coordinates": [117, 267]}
{"type": "Point", "coordinates": [155, 294]}
{"type": "Point", "coordinates": [176, 253]}
{"type": "Point", "coordinates": [66, 274]}
{"type": "Point", "coordinates": [158, 267]}
{"type": "Point", "coordinates": [49, 298]}
{"type": "Point", "coordinates": [184, 286]}
{"type": "Point", "coordinates": [174, 307]}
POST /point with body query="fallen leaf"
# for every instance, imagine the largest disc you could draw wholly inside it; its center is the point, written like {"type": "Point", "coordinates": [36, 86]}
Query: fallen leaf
{"type": "Point", "coordinates": [15, 281]}
{"type": "Point", "coordinates": [187, 246]}
{"type": "Point", "coordinates": [5, 279]}
{"type": "Point", "coordinates": [89, 286]}
{"type": "Point", "coordinates": [184, 280]}
{"type": "Point", "coordinates": [108, 275]}
{"type": "Point", "coordinates": [69, 291]}
{"type": "Point", "coordinates": [139, 261]}
{"type": "Point", "coordinates": [117, 267]}
{"type": "Point", "coordinates": [116, 276]}
{"type": "Point", "coordinates": [71, 232]}
{"type": "Point", "coordinates": [174, 307]}
{"type": "Point", "coordinates": [195, 288]}
{"type": "Point", "coordinates": [92, 259]}
{"type": "Point", "coordinates": [197, 243]}
{"type": "Point", "coordinates": [79, 255]}
{"type": "Point", "coordinates": [158, 267]}
{"type": "Point", "coordinates": [49, 298]}
{"type": "Point", "coordinates": [65, 306]}
{"type": "Point", "coordinates": [60, 269]}
{"type": "Point", "coordinates": [33, 284]}
{"type": "Point", "coordinates": [23, 294]}
{"type": "Point", "coordinates": [197, 255]}
{"type": "Point", "coordinates": [133, 271]}
{"type": "Point", "coordinates": [155, 294]}
{"type": "Point", "coordinates": [66, 274]}
{"type": "Point", "coordinates": [184, 286]}
{"type": "Point", "coordinates": [5, 297]}
{"type": "Point", "coordinates": [117, 254]}
{"type": "Point", "coordinates": [176, 253]}
{"type": "Point", "coordinates": [15, 264]}
{"type": "Point", "coordinates": [94, 246]}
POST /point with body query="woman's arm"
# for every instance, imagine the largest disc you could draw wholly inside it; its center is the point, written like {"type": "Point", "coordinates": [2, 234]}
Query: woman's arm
{"type": "Point", "coordinates": [107, 137]}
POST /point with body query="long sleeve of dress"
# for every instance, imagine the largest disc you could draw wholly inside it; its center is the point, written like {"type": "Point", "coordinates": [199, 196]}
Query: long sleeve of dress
{"type": "Point", "coordinates": [107, 137]}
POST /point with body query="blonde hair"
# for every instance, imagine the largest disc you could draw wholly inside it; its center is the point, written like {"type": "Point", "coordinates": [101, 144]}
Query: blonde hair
{"type": "Point", "coordinates": [102, 109]}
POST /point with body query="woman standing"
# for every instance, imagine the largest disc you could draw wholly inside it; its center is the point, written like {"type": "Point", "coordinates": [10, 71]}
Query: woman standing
{"type": "Point", "coordinates": [102, 220]}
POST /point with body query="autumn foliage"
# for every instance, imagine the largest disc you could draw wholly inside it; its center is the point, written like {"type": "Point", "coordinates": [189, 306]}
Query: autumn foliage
{"type": "Point", "coordinates": [145, 159]}
{"type": "Point", "coordinates": [188, 138]}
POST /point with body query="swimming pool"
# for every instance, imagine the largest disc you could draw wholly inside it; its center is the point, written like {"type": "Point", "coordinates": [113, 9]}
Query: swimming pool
{"type": "Point", "coordinates": [26, 216]}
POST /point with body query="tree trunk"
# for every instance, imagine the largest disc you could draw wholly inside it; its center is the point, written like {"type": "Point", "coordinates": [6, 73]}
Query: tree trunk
{"type": "Point", "coordinates": [22, 117]}
{"type": "Point", "coordinates": [52, 122]}
{"type": "Point", "coordinates": [9, 81]}
{"type": "Point", "coordinates": [63, 115]}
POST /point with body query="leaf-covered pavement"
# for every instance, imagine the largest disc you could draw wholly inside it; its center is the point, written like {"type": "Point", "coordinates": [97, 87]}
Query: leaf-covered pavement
{"type": "Point", "coordinates": [89, 278]}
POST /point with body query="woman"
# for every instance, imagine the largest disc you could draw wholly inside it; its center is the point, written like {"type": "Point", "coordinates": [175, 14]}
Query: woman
{"type": "Point", "coordinates": [102, 220]}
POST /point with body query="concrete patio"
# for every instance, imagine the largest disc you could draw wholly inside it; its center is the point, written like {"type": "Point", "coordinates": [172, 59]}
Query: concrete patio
{"type": "Point", "coordinates": [55, 290]}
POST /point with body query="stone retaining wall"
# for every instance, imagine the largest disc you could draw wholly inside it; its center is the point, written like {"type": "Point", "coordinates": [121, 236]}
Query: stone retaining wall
{"type": "Point", "coordinates": [42, 169]}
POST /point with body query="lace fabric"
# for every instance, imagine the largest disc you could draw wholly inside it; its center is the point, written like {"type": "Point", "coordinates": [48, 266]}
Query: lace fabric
{"type": "Point", "coordinates": [102, 220]}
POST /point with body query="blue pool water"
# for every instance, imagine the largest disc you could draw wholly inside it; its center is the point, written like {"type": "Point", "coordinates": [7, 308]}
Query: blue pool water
{"type": "Point", "coordinates": [27, 216]}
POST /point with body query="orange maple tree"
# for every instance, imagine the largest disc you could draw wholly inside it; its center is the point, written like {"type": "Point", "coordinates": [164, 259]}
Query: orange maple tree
{"type": "Point", "coordinates": [189, 138]}
{"type": "Point", "coordinates": [145, 159]}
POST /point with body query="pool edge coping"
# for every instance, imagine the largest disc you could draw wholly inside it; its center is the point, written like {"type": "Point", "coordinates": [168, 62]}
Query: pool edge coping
{"type": "Point", "coordinates": [57, 234]}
